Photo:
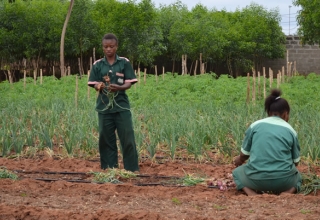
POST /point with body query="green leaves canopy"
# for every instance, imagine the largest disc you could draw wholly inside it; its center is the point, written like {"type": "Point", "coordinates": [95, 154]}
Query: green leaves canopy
{"type": "Point", "coordinates": [309, 21]}
{"type": "Point", "coordinates": [31, 29]}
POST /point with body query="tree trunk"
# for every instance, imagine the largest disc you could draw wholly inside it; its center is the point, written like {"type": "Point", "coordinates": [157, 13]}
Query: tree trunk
{"type": "Point", "coordinates": [62, 68]}
{"type": "Point", "coordinates": [173, 64]}
{"type": "Point", "coordinates": [195, 68]}
{"type": "Point", "coordinates": [79, 64]}
{"type": "Point", "coordinates": [10, 76]}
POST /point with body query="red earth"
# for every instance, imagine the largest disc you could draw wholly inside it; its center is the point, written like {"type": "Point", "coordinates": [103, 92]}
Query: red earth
{"type": "Point", "coordinates": [52, 187]}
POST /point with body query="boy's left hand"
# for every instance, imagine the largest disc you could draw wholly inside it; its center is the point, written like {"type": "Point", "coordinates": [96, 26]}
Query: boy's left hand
{"type": "Point", "coordinates": [113, 88]}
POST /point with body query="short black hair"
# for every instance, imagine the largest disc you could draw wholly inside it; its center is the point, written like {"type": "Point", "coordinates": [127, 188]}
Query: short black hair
{"type": "Point", "coordinates": [110, 36]}
{"type": "Point", "coordinates": [274, 103]}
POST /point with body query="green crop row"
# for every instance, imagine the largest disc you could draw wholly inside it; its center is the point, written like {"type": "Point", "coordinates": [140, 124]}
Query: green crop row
{"type": "Point", "coordinates": [190, 114]}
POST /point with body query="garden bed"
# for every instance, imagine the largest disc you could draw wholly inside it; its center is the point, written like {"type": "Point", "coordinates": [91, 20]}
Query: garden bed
{"type": "Point", "coordinates": [64, 188]}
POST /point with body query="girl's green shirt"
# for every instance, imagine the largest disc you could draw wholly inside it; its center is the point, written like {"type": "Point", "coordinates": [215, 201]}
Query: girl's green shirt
{"type": "Point", "coordinates": [273, 147]}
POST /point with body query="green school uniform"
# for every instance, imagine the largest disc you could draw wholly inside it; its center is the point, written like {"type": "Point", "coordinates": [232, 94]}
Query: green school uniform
{"type": "Point", "coordinates": [114, 114]}
{"type": "Point", "coordinates": [119, 72]}
{"type": "Point", "coordinates": [273, 148]}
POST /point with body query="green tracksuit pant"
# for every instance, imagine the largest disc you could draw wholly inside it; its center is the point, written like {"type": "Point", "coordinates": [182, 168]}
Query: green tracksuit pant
{"type": "Point", "coordinates": [122, 123]}
{"type": "Point", "coordinates": [277, 185]}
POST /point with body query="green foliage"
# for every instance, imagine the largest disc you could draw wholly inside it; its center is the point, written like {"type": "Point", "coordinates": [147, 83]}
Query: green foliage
{"type": "Point", "coordinates": [167, 16]}
{"type": "Point", "coordinates": [6, 174]}
{"type": "Point", "coordinates": [31, 29]}
{"type": "Point", "coordinates": [309, 21]}
{"type": "Point", "coordinates": [256, 44]}
{"type": "Point", "coordinates": [310, 183]}
{"type": "Point", "coordinates": [82, 31]}
{"type": "Point", "coordinates": [135, 25]}
{"type": "Point", "coordinates": [191, 180]}
{"type": "Point", "coordinates": [180, 114]}
{"type": "Point", "coordinates": [112, 176]}
{"type": "Point", "coordinates": [176, 201]}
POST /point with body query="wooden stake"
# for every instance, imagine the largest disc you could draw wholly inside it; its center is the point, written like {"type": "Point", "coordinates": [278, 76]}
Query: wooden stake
{"type": "Point", "coordinates": [287, 60]}
{"type": "Point", "coordinates": [94, 54]}
{"type": "Point", "coordinates": [156, 72]}
{"type": "Point", "coordinates": [35, 76]}
{"type": "Point", "coordinates": [40, 76]}
{"type": "Point", "coordinates": [76, 93]}
{"type": "Point", "coordinates": [185, 64]}
{"type": "Point", "coordinates": [248, 87]}
{"type": "Point", "coordinates": [162, 72]}
{"type": "Point", "coordinates": [254, 86]}
{"type": "Point", "coordinates": [270, 77]}
{"type": "Point", "coordinates": [24, 78]}
{"type": "Point", "coordinates": [135, 85]}
{"type": "Point", "coordinates": [259, 86]}
{"type": "Point", "coordinates": [290, 70]}
{"type": "Point", "coordinates": [264, 82]}
{"type": "Point", "coordinates": [139, 75]}
{"type": "Point", "coordinates": [282, 75]}
{"type": "Point", "coordinates": [201, 64]}
{"type": "Point", "coordinates": [195, 68]}
{"type": "Point", "coordinates": [89, 86]}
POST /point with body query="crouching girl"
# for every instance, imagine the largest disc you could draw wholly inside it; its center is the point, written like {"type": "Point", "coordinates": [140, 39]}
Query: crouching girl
{"type": "Point", "coordinates": [272, 150]}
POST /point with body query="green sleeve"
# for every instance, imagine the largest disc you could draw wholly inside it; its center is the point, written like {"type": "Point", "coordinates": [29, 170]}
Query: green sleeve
{"type": "Point", "coordinates": [247, 142]}
{"type": "Point", "coordinates": [93, 78]}
{"type": "Point", "coordinates": [129, 75]}
{"type": "Point", "coordinates": [295, 150]}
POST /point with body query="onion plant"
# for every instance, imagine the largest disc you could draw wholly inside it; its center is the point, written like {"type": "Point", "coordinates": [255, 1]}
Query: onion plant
{"type": "Point", "coordinates": [178, 114]}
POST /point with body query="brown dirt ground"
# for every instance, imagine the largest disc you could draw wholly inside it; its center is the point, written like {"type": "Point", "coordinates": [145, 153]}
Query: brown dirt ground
{"type": "Point", "coordinates": [51, 187]}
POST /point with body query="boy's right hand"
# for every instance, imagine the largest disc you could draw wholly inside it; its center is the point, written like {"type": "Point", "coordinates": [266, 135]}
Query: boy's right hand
{"type": "Point", "coordinates": [99, 87]}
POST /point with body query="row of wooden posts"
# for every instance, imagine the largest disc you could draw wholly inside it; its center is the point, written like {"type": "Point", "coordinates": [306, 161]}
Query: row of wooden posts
{"type": "Point", "coordinates": [256, 80]}
{"type": "Point", "coordinates": [251, 90]}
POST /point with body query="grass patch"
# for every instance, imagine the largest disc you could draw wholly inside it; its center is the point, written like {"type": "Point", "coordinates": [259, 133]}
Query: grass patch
{"type": "Point", "coordinates": [310, 183]}
{"type": "Point", "coordinates": [304, 211]}
{"type": "Point", "coordinates": [176, 201]}
{"type": "Point", "coordinates": [112, 176]}
{"type": "Point", "coordinates": [191, 180]}
{"type": "Point", "coordinates": [218, 207]}
{"type": "Point", "coordinates": [6, 174]}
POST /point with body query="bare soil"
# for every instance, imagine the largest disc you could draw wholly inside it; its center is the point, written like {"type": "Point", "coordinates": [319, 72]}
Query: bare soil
{"type": "Point", "coordinates": [52, 187]}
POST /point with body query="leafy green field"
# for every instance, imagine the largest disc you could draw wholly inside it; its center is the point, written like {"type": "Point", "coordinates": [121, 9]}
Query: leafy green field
{"type": "Point", "coordinates": [194, 115]}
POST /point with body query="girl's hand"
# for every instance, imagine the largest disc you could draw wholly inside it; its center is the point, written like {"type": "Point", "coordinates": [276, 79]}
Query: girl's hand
{"type": "Point", "coordinates": [237, 161]}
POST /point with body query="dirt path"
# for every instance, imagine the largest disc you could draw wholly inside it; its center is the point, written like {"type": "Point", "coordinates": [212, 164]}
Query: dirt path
{"type": "Point", "coordinates": [71, 195]}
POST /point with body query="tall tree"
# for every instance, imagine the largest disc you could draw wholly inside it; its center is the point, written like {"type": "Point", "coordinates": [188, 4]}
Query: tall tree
{"type": "Point", "coordinates": [134, 24]}
{"type": "Point", "coordinates": [63, 34]}
{"type": "Point", "coordinates": [167, 16]}
{"type": "Point", "coordinates": [12, 18]}
{"type": "Point", "coordinates": [82, 31]}
{"type": "Point", "coordinates": [309, 21]}
{"type": "Point", "coordinates": [41, 37]}
{"type": "Point", "coordinates": [261, 34]}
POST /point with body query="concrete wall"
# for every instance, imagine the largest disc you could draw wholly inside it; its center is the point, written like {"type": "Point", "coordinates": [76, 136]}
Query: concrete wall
{"type": "Point", "coordinates": [307, 57]}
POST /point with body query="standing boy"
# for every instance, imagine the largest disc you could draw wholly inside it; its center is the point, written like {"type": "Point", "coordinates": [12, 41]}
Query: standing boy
{"type": "Point", "coordinates": [111, 76]}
